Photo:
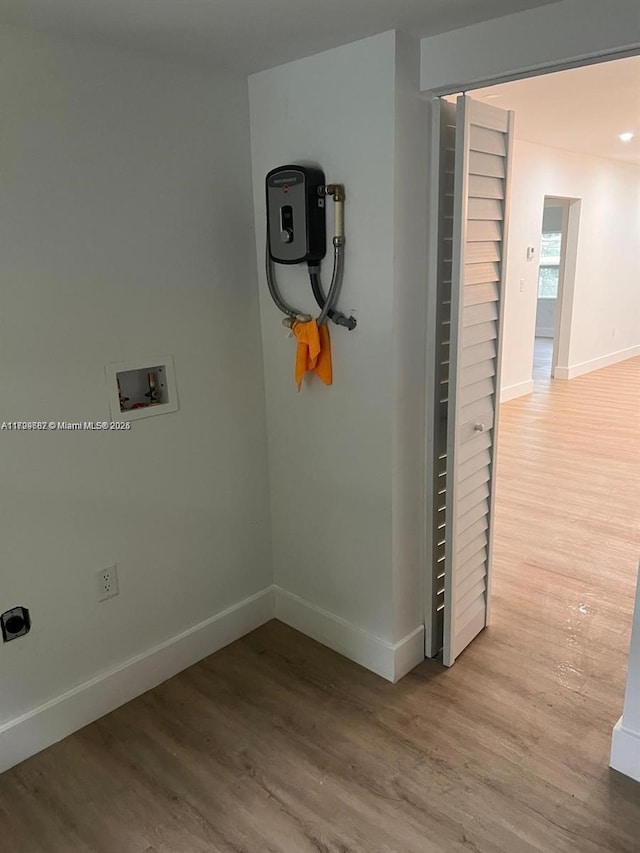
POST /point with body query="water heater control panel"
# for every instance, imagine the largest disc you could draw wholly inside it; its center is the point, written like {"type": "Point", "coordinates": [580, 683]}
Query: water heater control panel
{"type": "Point", "coordinates": [296, 230]}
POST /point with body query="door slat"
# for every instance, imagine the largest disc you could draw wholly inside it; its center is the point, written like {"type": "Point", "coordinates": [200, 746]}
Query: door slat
{"type": "Point", "coordinates": [472, 533]}
{"type": "Point", "coordinates": [479, 273]}
{"type": "Point", "coordinates": [480, 410]}
{"type": "Point", "coordinates": [481, 441]}
{"type": "Point", "coordinates": [475, 294]}
{"type": "Point", "coordinates": [473, 565]}
{"type": "Point", "coordinates": [479, 371]}
{"type": "Point", "coordinates": [489, 141]}
{"type": "Point", "coordinates": [474, 592]}
{"type": "Point", "coordinates": [473, 335]}
{"type": "Point", "coordinates": [477, 544]}
{"type": "Point", "coordinates": [479, 230]}
{"type": "Point", "coordinates": [475, 498]}
{"type": "Point", "coordinates": [476, 391]}
{"type": "Point", "coordinates": [482, 251]}
{"type": "Point", "coordinates": [481, 186]}
{"type": "Point", "coordinates": [465, 487]}
{"type": "Point", "coordinates": [489, 165]}
{"type": "Point", "coordinates": [485, 208]}
{"type": "Point", "coordinates": [471, 516]}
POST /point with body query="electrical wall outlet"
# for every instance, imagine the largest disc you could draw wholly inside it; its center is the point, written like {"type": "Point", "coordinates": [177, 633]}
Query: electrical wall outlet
{"type": "Point", "coordinates": [107, 582]}
{"type": "Point", "coordinates": [15, 623]}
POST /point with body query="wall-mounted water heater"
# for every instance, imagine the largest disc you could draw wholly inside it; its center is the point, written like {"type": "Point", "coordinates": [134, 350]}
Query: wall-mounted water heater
{"type": "Point", "coordinates": [295, 215]}
{"type": "Point", "coordinates": [296, 234]}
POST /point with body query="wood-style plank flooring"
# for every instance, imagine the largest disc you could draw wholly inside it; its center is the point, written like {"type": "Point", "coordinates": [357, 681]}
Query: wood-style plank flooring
{"type": "Point", "coordinates": [278, 745]}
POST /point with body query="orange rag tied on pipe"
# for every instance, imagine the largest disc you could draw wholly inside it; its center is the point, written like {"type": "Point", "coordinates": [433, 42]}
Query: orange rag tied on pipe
{"type": "Point", "coordinates": [314, 351]}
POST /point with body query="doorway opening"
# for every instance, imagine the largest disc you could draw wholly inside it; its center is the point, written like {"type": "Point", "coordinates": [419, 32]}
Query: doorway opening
{"type": "Point", "coordinates": [560, 190]}
{"type": "Point", "coordinates": [552, 248]}
{"type": "Point", "coordinates": [555, 286]}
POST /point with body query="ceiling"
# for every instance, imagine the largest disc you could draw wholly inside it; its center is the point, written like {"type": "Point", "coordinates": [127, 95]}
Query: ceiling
{"type": "Point", "coordinates": [248, 35]}
{"type": "Point", "coordinates": [580, 110]}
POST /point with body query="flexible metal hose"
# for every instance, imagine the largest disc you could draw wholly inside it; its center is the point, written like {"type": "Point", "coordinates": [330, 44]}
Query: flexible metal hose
{"type": "Point", "coordinates": [327, 302]}
{"type": "Point", "coordinates": [336, 317]}
{"type": "Point", "coordinates": [273, 287]}
{"type": "Point", "coordinates": [336, 279]}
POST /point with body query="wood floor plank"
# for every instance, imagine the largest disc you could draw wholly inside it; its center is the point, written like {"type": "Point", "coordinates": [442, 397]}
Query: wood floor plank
{"type": "Point", "coordinates": [278, 745]}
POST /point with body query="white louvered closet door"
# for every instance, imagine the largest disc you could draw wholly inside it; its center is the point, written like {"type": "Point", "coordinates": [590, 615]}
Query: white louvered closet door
{"type": "Point", "coordinates": [480, 214]}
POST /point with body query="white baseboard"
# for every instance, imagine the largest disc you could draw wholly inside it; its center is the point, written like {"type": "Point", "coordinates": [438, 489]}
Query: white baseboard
{"type": "Point", "coordinates": [389, 660]}
{"type": "Point", "coordinates": [625, 751]}
{"type": "Point", "coordinates": [520, 389]}
{"type": "Point", "coordinates": [571, 371]}
{"type": "Point", "coordinates": [49, 723]}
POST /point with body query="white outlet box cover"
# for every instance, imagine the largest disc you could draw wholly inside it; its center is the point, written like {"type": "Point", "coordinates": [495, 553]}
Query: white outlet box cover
{"type": "Point", "coordinates": [101, 586]}
{"type": "Point", "coordinates": [170, 396]}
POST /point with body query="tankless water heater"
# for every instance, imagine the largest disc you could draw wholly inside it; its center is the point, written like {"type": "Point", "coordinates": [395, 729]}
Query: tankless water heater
{"type": "Point", "coordinates": [296, 229]}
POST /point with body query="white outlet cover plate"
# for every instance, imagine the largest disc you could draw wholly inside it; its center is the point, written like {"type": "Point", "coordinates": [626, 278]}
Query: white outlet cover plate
{"type": "Point", "coordinates": [103, 593]}
{"type": "Point", "coordinates": [111, 374]}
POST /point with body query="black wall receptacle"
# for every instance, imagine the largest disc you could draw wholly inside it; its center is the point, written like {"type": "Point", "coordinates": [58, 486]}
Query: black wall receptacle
{"type": "Point", "coordinates": [15, 623]}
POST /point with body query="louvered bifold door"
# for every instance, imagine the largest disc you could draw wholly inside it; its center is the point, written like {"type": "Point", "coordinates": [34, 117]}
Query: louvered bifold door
{"type": "Point", "coordinates": [480, 214]}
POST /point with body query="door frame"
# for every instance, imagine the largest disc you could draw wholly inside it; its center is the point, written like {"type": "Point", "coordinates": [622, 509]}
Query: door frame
{"type": "Point", "coordinates": [432, 283]}
{"type": "Point", "coordinates": [566, 288]}
{"type": "Point", "coordinates": [561, 328]}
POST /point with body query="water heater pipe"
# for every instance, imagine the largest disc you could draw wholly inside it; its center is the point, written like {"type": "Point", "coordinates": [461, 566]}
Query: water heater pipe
{"type": "Point", "coordinates": [275, 291]}
{"type": "Point", "coordinates": [327, 302]}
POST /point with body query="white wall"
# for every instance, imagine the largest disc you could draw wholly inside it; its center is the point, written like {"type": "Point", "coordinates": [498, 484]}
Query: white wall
{"type": "Point", "coordinates": [334, 453]}
{"type": "Point", "coordinates": [409, 337]}
{"type": "Point", "coordinates": [125, 231]}
{"type": "Point", "coordinates": [604, 304]}
{"type": "Point", "coordinates": [502, 48]}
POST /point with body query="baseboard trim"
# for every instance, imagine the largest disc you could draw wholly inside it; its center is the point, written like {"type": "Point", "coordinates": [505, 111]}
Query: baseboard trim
{"type": "Point", "coordinates": [520, 389]}
{"type": "Point", "coordinates": [60, 717]}
{"type": "Point", "coordinates": [54, 720]}
{"type": "Point", "coordinates": [389, 660]}
{"type": "Point", "coordinates": [625, 751]}
{"type": "Point", "coordinates": [583, 367]}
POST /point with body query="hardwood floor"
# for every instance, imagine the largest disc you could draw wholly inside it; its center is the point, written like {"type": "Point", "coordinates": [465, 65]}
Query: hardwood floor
{"type": "Point", "coordinates": [278, 745]}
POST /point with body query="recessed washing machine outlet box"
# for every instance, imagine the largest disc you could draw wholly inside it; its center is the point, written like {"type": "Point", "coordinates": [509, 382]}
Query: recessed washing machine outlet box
{"type": "Point", "coordinates": [141, 388]}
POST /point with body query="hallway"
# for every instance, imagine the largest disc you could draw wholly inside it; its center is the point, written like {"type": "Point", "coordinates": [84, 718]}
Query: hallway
{"type": "Point", "coordinates": [278, 745]}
